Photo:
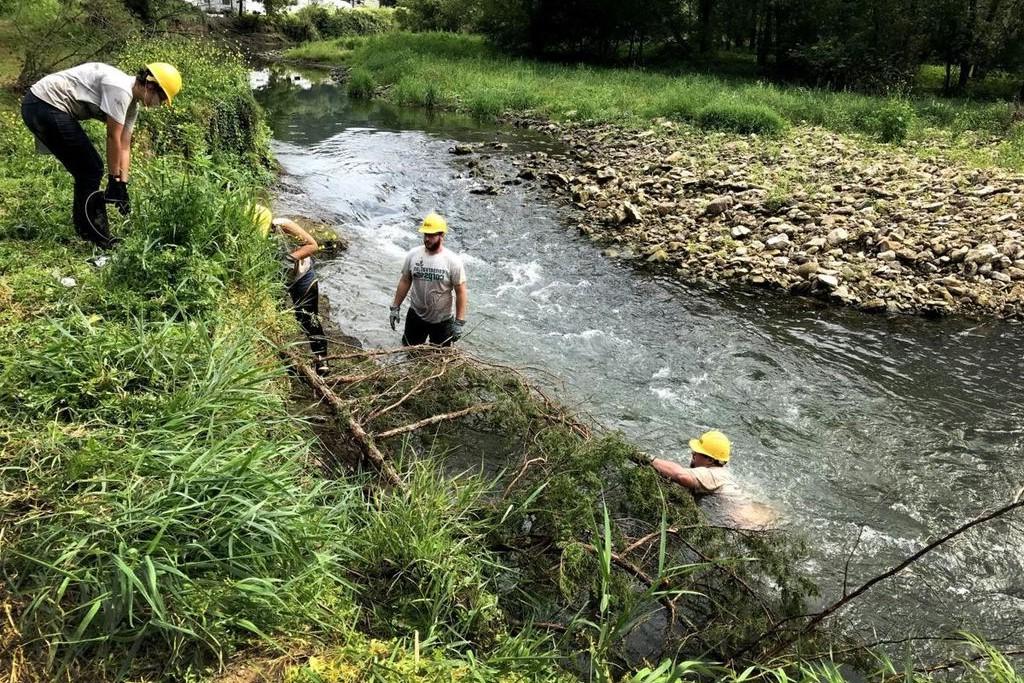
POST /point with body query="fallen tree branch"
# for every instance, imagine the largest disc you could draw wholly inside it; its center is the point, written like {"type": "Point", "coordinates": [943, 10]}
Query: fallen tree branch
{"type": "Point", "coordinates": [434, 420]}
{"type": "Point", "coordinates": [839, 604]}
{"type": "Point", "coordinates": [364, 440]}
{"type": "Point", "coordinates": [408, 394]}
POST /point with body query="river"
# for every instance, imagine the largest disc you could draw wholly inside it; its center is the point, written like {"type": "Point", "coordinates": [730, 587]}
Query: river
{"type": "Point", "coordinates": [871, 435]}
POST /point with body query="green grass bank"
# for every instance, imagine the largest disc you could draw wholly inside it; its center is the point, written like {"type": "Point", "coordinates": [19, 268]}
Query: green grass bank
{"type": "Point", "coordinates": [465, 72]}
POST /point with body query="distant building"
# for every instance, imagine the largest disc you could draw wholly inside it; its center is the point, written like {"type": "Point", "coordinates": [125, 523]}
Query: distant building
{"type": "Point", "coordinates": [256, 7]}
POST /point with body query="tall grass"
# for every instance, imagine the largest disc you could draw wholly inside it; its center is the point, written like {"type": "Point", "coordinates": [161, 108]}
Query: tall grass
{"type": "Point", "coordinates": [184, 522]}
{"type": "Point", "coordinates": [467, 71]}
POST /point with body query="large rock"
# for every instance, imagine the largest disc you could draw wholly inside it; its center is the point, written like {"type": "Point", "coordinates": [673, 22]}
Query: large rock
{"type": "Point", "coordinates": [719, 205]}
{"type": "Point", "coordinates": [837, 236]}
{"type": "Point", "coordinates": [982, 254]}
{"type": "Point", "coordinates": [739, 232]}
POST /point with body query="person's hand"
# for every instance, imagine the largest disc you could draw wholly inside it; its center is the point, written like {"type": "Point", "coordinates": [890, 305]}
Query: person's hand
{"type": "Point", "coordinates": [457, 327]}
{"type": "Point", "coordinates": [117, 194]}
{"type": "Point", "coordinates": [395, 316]}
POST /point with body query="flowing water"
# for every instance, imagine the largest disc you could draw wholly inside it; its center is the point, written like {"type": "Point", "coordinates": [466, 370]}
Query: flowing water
{"type": "Point", "coordinates": [871, 436]}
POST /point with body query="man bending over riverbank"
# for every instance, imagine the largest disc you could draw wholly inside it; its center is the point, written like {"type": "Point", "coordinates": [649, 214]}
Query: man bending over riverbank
{"type": "Point", "coordinates": [432, 276]}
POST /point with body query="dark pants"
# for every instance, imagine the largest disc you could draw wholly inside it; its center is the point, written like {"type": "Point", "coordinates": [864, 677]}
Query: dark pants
{"type": "Point", "coordinates": [417, 330]}
{"type": "Point", "coordinates": [305, 293]}
{"type": "Point", "coordinates": [64, 137]}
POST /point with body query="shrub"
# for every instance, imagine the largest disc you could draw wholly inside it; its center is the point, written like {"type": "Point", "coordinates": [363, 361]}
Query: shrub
{"type": "Point", "coordinates": [314, 22]}
{"type": "Point", "coordinates": [892, 122]}
{"type": "Point", "coordinates": [361, 84]}
{"type": "Point", "coordinates": [216, 113]}
{"type": "Point", "coordinates": [741, 118]}
{"type": "Point", "coordinates": [298, 27]}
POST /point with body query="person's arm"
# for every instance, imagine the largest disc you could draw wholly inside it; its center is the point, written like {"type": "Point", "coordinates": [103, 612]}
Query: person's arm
{"type": "Point", "coordinates": [404, 283]}
{"type": "Point", "coordinates": [291, 228]}
{"type": "Point", "coordinates": [117, 152]}
{"type": "Point", "coordinates": [126, 152]}
{"type": "Point", "coordinates": [675, 472]}
{"type": "Point", "coordinates": [461, 301]}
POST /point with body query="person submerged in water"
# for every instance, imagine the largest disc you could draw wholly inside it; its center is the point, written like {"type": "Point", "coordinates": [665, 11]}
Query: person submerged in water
{"type": "Point", "coordinates": [708, 475]}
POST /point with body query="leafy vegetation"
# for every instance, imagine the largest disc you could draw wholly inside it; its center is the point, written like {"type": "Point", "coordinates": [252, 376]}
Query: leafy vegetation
{"type": "Point", "coordinates": [315, 22]}
{"type": "Point", "coordinates": [469, 73]}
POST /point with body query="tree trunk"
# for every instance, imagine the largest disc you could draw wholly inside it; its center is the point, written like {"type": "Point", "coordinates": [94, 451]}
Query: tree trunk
{"type": "Point", "coordinates": [965, 75]}
{"type": "Point", "coordinates": [949, 76]}
{"type": "Point", "coordinates": [705, 8]}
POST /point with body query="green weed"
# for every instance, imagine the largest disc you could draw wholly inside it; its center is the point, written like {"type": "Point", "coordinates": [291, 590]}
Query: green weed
{"type": "Point", "coordinates": [741, 118]}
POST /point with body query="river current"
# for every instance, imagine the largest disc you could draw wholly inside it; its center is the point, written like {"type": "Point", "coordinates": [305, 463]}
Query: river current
{"type": "Point", "coordinates": [870, 435]}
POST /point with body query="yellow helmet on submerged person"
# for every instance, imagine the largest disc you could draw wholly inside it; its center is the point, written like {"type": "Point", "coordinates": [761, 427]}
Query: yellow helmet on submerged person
{"type": "Point", "coordinates": [263, 217]}
{"type": "Point", "coordinates": [713, 444]}
{"type": "Point", "coordinates": [167, 77]}
{"type": "Point", "coordinates": [433, 223]}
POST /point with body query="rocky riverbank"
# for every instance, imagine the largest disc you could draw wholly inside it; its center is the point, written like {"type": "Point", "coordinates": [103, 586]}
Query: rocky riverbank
{"type": "Point", "coordinates": [870, 226]}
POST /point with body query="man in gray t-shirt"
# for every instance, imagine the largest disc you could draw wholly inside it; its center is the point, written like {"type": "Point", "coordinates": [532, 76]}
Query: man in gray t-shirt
{"type": "Point", "coordinates": [434, 278]}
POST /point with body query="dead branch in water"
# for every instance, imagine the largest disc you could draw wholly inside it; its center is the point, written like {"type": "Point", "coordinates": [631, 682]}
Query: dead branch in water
{"type": "Point", "coordinates": [860, 590]}
{"type": "Point", "coordinates": [419, 385]}
{"type": "Point", "coordinates": [364, 440]}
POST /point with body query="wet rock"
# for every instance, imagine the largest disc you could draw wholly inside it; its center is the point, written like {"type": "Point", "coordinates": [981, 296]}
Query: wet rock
{"type": "Point", "coordinates": [461, 149]}
{"type": "Point", "coordinates": [527, 174]}
{"type": "Point", "coordinates": [556, 178]}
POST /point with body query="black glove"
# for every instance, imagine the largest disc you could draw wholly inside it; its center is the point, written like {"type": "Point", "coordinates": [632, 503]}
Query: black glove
{"type": "Point", "coordinates": [117, 194]}
{"type": "Point", "coordinates": [456, 332]}
{"type": "Point", "coordinates": [395, 316]}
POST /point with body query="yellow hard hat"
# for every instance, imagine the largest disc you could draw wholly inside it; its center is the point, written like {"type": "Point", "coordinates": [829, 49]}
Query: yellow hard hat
{"type": "Point", "coordinates": [263, 218]}
{"type": "Point", "coordinates": [713, 444]}
{"type": "Point", "coordinates": [167, 77]}
{"type": "Point", "coordinates": [433, 223]}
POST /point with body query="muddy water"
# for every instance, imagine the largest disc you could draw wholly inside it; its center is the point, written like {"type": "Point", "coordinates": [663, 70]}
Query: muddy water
{"type": "Point", "coordinates": [870, 436]}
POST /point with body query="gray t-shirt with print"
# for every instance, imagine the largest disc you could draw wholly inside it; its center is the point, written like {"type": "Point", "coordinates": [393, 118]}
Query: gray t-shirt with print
{"type": "Point", "coordinates": [90, 91]}
{"type": "Point", "coordinates": [434, 278]}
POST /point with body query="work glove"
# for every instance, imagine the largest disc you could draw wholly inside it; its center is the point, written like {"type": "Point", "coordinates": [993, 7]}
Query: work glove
{"type": "Point", "coordinates": [117, 194]}
{"type": "Point", "coordinates": [456, 331]}
{"type": "Point", "coordinates": [396, 314]}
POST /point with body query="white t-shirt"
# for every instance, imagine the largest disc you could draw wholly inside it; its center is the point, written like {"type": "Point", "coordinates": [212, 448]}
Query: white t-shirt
{"type": "Point", "coordinates": [91, 91]}
{"type": "Point", "coordinates": [434, 278]}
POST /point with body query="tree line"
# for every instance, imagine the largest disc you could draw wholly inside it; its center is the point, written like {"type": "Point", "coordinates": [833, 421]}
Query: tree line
{"type": "Point", "coordinates": [871, 45]}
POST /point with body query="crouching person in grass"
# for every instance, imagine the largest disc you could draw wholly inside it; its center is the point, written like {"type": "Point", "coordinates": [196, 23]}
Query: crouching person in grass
{"type": "Point", "coordinates": [300, 277]}
{"type": "Point", "coordinates": [52, 109]}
